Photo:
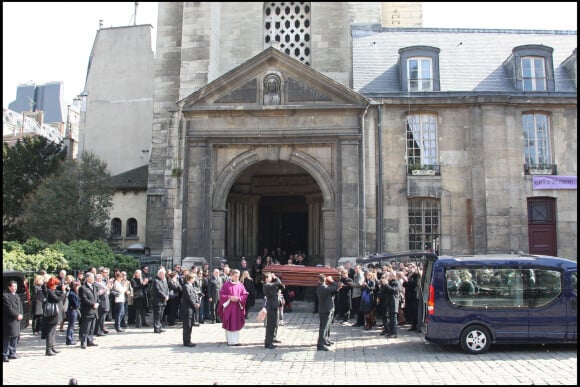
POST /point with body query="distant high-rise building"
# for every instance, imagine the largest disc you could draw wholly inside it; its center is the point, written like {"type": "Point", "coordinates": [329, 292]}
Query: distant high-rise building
{"type": "Point", "coordinates": [47, 98]}
{"type": "Point", "coordinates": [39, 110]}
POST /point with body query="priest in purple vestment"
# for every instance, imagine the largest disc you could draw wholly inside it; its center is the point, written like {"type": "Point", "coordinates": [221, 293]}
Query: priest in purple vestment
{"type": "Point", "coordinates": [232, 307]}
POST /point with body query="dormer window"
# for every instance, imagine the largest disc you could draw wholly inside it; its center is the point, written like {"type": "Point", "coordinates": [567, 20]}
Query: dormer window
{"type": "Point", "coordinates": [419, 66]}
{"type": "Point", "coordinates": [570, 65]}
{"type": "Point", "coordinates": [420, 74]}
{"type": "Point", "coordinates": [533, 74]}
{"type": "Point", "coordinates": [531, 67]}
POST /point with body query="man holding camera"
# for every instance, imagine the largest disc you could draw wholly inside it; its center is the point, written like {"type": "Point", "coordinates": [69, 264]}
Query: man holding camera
{"type": "Point", "coordinates": [325, 293]}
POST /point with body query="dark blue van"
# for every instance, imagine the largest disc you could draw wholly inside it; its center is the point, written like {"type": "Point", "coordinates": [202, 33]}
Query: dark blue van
{"type": "Point", "coordinates": [478, 300]}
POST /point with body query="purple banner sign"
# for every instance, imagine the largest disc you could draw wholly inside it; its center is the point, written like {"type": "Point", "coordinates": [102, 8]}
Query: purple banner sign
{"type": "Point", "coordinates": [555, 182]}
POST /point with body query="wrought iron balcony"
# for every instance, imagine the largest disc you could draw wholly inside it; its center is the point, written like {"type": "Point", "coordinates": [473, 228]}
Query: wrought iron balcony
{"type": "Point", "coordinates": [424, 170]}
{"type": "Point", "coordinates": [540, 169]}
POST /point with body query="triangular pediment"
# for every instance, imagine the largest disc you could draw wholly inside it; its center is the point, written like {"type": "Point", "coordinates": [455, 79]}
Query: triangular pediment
{"type": "Point", "coordinates": [272, 80]}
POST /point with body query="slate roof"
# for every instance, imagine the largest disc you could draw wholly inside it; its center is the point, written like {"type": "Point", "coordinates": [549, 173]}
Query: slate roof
{"type": "Point", "coordinates": [471, 60]}
{"type": "Point", "coordinates": [134, 179]}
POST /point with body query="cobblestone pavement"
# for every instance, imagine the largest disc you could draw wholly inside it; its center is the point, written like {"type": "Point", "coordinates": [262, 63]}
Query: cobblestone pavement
{"type": "Point", "coordinates": [359, 357]}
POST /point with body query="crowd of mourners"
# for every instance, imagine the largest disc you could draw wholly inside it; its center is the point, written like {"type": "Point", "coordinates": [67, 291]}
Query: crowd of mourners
{"type": "Point", "coordinates": [85, 302]}
{"type": "Point", "coordinates": [389, 293]}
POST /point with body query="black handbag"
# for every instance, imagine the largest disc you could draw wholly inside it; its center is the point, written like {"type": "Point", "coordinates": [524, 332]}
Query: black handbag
{"type": "Point", "coordinates": [50, 309]}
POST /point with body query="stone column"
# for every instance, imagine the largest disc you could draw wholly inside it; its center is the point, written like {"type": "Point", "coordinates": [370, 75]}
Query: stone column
{"type": "Point", "coordinates": [230, 224]}
{"type": "Point", "coordinates": [172, 232]}
{"type": "Point", "coordinates": [252, 225]}
{"type": "Point", "coordinates": [218, 232]}
{"type": "Point", "coordinates": [329, 235]}
{"type": "Point", "coordinates": [314, 225]}
{"type": "Point", "coordinates": [349, 203]}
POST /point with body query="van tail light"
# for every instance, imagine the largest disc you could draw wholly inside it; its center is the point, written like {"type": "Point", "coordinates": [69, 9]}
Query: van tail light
{"type": "Point", "coordinates": [431, 301]}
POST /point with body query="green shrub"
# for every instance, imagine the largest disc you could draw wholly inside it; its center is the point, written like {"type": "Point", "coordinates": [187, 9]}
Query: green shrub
{"type": "Point", "coordinates": [35, 255]}
{"type": "Point", "coordinates": [14, 258]}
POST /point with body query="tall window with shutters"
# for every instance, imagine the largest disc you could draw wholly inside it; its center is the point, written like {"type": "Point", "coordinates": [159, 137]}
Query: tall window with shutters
{"type": "Point", "coordinates": [537, 141]}
{"type": "Point", "coordinates": [422, 144]}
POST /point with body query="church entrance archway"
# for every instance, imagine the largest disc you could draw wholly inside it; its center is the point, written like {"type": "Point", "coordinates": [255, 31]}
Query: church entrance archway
{"type": "Point", "coordinates": [274, 204]}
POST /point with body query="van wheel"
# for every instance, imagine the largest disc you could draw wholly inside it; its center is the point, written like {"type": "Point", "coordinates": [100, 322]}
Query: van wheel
{"type": "Point", "coordinates": [475, 339]}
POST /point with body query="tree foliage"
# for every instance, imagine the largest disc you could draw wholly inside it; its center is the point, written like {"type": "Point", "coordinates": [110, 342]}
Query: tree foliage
{"type": "Point", "coordinates": [25, 165]}
{"type": "Point", "coordinates": [73, 204]}
{"type": "Point", "coordinates": [34, 246]}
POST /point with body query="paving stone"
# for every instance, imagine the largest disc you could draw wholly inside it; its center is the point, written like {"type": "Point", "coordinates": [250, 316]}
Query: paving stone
{"type": "Point", "coordinates": [140, 357]}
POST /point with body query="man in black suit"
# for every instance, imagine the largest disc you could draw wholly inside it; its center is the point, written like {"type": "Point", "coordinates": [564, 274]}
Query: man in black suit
{"type": "Point", "coordinates": [160, 297]}
{"type": "Point", "coordinates": [325, 293]}
{"type": "Point", "coordinates": [214, 286]}
{"type": "Point", "coordinates": [411, 300]}
{"type": "Point", "coordinates": [88, 294]}
{"type": "Point", "coordinates": [390, 290]}
{"type": "Point", "coordinates": [190, 304]}
{"type": "Point", "coordinates": [11, 316]}
{"type": "Point", "coordinates": [271, 286]}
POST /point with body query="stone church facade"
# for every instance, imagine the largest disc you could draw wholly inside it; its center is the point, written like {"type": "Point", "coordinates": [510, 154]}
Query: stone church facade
{"type": "Point", "coordinates": [306, 126]}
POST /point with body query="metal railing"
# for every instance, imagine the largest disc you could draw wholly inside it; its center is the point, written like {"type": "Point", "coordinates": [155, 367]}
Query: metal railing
{"type": "Point", "coordinates": [540, 169]}
{"type": "Point", "coordinates": [425, 169]}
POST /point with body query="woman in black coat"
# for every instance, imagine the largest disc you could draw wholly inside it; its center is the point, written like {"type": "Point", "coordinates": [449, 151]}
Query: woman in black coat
{"type": "Point", "coordinates": [36, 300]}
{"type": "Point", "coordinates": [174, 298]}
{"type": "Point", "coordinates": [55, 296]}
{"type": "Point", "coordinates": [248, 283]}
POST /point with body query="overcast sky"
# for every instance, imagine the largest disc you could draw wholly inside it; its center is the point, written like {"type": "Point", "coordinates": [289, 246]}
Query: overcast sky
{"type": "Point", "coordinates": [44, 42]}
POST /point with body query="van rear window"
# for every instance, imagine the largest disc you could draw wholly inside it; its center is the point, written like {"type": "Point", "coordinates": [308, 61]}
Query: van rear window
{"type": "Point", "coordinates": [497, 287]}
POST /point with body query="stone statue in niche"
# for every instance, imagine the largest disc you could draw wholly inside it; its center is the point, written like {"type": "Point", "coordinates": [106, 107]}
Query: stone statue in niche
{"type": "Point", "coordinates": [272, 90]}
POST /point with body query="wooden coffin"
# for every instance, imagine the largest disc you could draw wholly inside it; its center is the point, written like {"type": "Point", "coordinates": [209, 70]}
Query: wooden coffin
{"type": "Point", "coordinates": [299, 275]}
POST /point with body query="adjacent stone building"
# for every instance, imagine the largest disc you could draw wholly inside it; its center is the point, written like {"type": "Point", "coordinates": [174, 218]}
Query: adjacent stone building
{"type": "Point", "coordinates": [116, 121]}
{"type": "Point", "coordinates": [117, 101]}
{"type": "Point", "coordinates": [128, 215]}
{"type": "Point", "coordinates": [468, 123]}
